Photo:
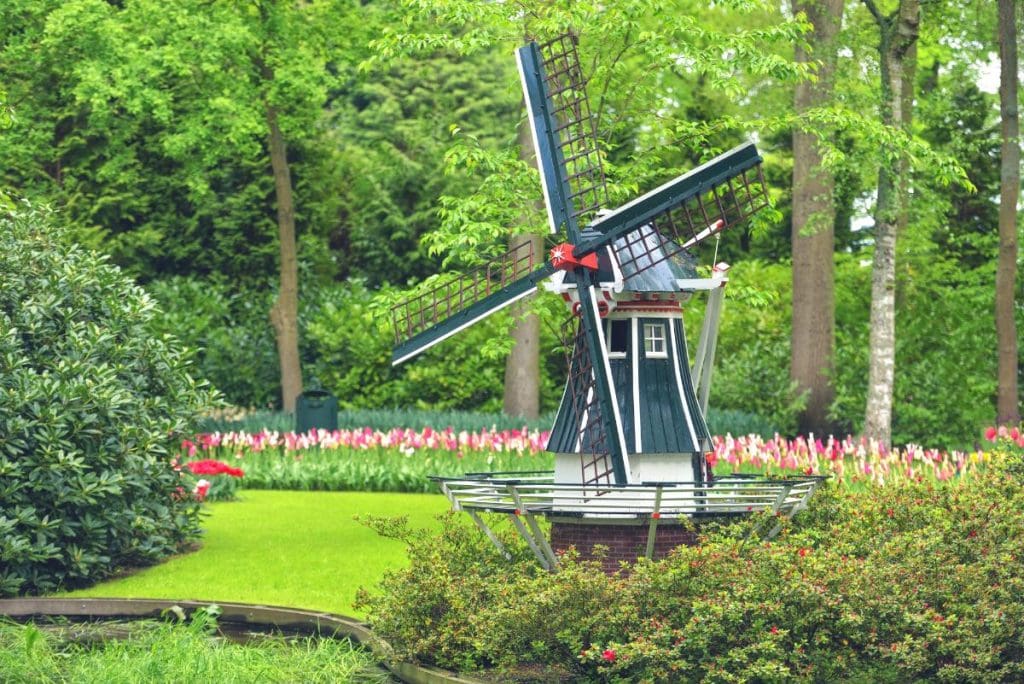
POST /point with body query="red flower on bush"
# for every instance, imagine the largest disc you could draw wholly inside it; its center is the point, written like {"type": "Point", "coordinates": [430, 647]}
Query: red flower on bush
{"type": "Point", "coordinates": [608, 655]}
{"type": "Point", "coordinates": [212, 467]}
{"type": "Point", "coordinates": [990, 434]}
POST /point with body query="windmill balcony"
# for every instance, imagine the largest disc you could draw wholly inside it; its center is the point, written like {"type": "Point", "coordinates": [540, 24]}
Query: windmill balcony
{"type": "Point", "coordinates": [525, 495]}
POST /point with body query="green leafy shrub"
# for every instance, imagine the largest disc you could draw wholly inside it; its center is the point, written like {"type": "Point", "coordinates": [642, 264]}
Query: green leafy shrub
{"type": "Point", "coordinates": [897, 583]}
{"type": "Point", "coordinates": [751, 373]}
{"type": "Point", "coordinates": [230, 331]}
{"type": "Point", "coordinates": [736, 422]}
{"type": "Point", "coordinates": [387, 419]}
{"type": "Point", "coordinates": [350, 356]}
{"type": "Point", "coordinates": [90, 406]}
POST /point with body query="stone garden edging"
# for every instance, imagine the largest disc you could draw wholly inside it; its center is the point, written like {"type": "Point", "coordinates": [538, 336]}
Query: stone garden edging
{"type": "Point", "coordinates": [307, 621]}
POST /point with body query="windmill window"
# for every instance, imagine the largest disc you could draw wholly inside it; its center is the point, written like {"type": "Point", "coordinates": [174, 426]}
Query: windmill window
{"type": "Point", "coordinates": [617, 338]}
{"type": "Point", "coordinates": [654, 341]}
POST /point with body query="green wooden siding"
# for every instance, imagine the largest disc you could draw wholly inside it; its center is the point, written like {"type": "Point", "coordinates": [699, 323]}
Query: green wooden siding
{"type": "Point", "coordinates": [661, 421]}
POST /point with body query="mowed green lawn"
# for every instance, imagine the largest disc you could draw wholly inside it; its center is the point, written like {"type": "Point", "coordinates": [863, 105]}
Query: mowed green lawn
{"type": "Point", "coordinates": [283, 548]}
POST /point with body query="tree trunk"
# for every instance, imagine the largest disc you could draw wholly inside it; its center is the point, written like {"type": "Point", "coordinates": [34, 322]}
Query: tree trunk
{"type": "Point", "coordinates": [898, 33]}
{"type": "Point", "coordinates": [522, 368]}
{"type": "Point", "coordinates": [1007, 405]}
{"type": "Point", "coordinates": [813, 334]}
{"type": "Point", "coordinates": [284, 314]}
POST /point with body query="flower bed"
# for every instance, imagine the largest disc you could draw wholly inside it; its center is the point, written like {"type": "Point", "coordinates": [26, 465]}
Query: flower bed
{"type": "Point", "coordinates": [397, 460]}
{"type": "Point", "coordinates": [221, 485]}
{"type": "Point", "coordinates": [402, 459]}
{"type": "Point", "coordinates": [406, 441]}
{"type": "Point", "coordinates": [850, 460]}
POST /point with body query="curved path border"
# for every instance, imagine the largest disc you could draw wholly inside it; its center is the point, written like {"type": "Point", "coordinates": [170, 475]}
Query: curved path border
{"type": "Point", "coordinates": [307, 621]}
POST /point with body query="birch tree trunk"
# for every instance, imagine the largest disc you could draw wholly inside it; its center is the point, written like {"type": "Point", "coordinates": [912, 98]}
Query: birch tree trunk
{"type": "Point", "coordinates": [284, 314]}
{"type": "Point", "coordinates": [1007, 404]}
{"type": "Point", "coordinates": [813, 235]}
{"type": "Point", "coordinates": [898, 33]}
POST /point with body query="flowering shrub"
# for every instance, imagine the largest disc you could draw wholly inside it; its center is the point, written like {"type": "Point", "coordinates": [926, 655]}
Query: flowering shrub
{"type": "Point", "coordinates": [913, 581]}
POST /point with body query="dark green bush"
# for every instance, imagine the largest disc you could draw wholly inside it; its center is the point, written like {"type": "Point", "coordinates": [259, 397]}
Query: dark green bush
{"type": "Point", "coordinates": [386, 419]}
{"type": "Point", "coordinates": [736, 422]}
{"type": "Point", "coordinates": [90, 403]}
{"type": "Point", "coordinates": [891, 584]}
{"type": "Point", "coordinates": [751, 373]}
{"type": "Point", "coordinates": [231, 333]}
{"type": "Point", "coordinates": [351, 357]}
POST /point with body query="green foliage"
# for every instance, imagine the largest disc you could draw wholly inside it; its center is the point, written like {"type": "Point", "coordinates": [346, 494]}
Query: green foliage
{"type": "Point", "coordinates": [736, 422]}
{"type": "Point", "coordinates": [6, 110]}
{"type": "Point", "coordinates": [229, 329]}
{"type": "Point", "coordinates": [145, 124]}
{"type": "Point", "coordinates": [383, 420]}
{"type": "Point", "coordinates": [899, 583]}
{"type": "Point", "coordinates": [349, 355]}
{"type": "Point", "coordinates": [150, 651]}
{"type": "Point", "coordinates": [945, 377]}
{"type": "Point", "coordinates": [90, 403]}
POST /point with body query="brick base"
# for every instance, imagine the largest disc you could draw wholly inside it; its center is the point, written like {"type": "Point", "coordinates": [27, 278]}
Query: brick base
{"type": "Point", "coordinates": [625, 542]}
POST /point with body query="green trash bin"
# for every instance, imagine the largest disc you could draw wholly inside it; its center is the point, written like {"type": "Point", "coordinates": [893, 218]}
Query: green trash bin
{"type": "Point", "coordinates": [316, 409]}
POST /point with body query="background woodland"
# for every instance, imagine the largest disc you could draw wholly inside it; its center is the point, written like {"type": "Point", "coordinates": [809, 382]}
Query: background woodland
{"type": "Point", "coordinates": [275, 174]}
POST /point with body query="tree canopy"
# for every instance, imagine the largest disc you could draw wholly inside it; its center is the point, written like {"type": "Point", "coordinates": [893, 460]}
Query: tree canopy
{"type": "Point", "coordinates": [150, 129]}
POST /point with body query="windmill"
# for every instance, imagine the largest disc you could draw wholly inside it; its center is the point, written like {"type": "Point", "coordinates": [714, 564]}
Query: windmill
{"type": "Point", "coordinates": [630, 436]}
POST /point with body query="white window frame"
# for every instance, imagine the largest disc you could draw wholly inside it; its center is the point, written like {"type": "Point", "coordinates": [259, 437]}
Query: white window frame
{"type": "Point", "coordinates": [655, 341]}
{"type": "Point", "coordinates": [608, 338]}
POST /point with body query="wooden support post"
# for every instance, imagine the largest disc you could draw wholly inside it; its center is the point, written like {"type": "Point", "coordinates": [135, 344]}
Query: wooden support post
{"type": "Point", "coordinates": [652, 528]}
{"type": "Point", "coordinates": [525, 534]}
{"type": "Point", "coordinates": [777, 508]}
{"type": "Point", "coordinates": [490, 535]}
{"type": "Point", "coordinates": [540, 543]}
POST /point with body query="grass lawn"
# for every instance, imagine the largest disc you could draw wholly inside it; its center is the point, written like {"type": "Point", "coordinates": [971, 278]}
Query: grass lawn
{"type": "Point", "coordinates": [294, 549]}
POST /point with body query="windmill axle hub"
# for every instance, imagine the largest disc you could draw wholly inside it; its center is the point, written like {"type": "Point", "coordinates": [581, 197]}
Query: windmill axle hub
{"type": "Point", "coordinates": [563, 259]}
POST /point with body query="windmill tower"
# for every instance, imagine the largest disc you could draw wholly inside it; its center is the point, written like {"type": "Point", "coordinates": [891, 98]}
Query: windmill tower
{"type": "Point", "coordinates": [630, 436]}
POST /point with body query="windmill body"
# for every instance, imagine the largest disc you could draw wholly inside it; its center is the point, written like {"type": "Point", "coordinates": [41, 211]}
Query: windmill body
{"type": "Point", "coordinates": [645, 339]}
{"type": "Point", "coordinates": [630, 436]}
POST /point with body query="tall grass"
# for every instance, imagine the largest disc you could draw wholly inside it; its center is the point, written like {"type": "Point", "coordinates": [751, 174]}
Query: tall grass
{"type": "Point", "coordinates": [163, 652]}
